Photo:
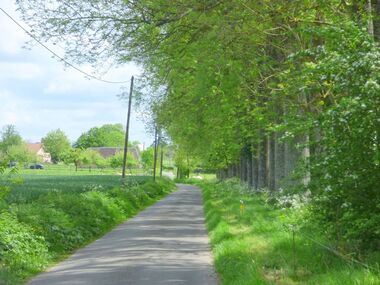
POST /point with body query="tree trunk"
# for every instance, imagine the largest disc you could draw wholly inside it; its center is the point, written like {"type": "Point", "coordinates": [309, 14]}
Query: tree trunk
{"type": "Point", "coordinates": [244, 163]}
{"type": "Point", "coordinates": [271, 166]}
{"type": "Point", "coordinates": [255, 168]}
{"type": "Point", "coordinates": [249, 167]}
{"type": "Point", "coordinates": [262, 169]}
{"type": "Point", "coordinates": [292, 156]}
{"type": "Point", "coordinates": [376, 19]}
{"type": "Point", "coordinates": [279, 161]}
{"type": "Point", "coordinates": [306, 159]}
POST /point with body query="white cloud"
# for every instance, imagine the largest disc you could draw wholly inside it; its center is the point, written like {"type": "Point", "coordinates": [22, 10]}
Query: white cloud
{"type": "Point", "coordinates": [19, 70]}
{"type": "Point", "coordinates": [12, 110]}
{"type": "Point", "coordinates": [57, 88]}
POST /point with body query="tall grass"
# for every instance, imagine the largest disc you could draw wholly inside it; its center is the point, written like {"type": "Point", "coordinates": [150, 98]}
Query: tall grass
{"type": "Point", "coordinates": [65, 214]}
{"type": "Point", "coordinates": [253, 243]}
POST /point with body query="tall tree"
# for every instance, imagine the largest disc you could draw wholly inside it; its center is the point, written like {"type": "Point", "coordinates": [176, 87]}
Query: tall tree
{"type": "Point", "coordinates": [9, 137]}
{"type": "Point", "coordinates": [57, 144]}
{"type": "Point", "coordinates": [108, 135]}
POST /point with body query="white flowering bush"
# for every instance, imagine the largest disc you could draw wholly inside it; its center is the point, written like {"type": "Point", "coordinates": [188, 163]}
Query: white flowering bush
{"type": "Point", "coordinates": [342, 75]}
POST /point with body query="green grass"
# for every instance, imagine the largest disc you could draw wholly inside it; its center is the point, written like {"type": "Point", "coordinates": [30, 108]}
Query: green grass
{"type": "Point", "coordinates": [252, 246]}
{"type": "Point", "coordinates": [49, 216]}
{"type": "Point", "coordinates": [32, 186]}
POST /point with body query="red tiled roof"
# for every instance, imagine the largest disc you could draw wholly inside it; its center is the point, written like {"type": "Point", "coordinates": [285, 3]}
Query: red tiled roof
{"type": "Point", "coordinates": [34, 147]}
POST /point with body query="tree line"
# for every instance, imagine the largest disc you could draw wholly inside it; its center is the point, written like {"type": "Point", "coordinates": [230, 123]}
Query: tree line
{"type": "Point", "coordinates": [282, 94]}
{"type": "Point", "coordinates": [14, 150]}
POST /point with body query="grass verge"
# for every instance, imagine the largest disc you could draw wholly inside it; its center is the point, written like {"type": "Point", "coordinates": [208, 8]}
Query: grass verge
{"type": "Point", "coordinates": [43, 229]}
{"type": "Point", "coordinates": [253, 244]}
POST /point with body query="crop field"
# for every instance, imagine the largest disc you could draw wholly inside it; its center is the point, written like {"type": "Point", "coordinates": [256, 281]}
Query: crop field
{"type": "Point", "coordinates": [62, 169]}
{"type": "Point", "coordinates": [30, 186]}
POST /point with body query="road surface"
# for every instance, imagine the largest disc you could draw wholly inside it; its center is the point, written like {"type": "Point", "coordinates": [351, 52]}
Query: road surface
{"type": "Point", "coordinates": [165, 244]}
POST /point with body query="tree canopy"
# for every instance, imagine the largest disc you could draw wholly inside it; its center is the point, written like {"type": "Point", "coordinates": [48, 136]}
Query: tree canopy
{"type": "Point", "coordinates": [13, 148]}
{"type": "Point", "coordinates": [253, 88]}
{"type": "Point", "coordinates": [57, 144]}
{"type": "Point", "coordinates": [9, 137]}
{"type": "Point", "coordinates": [108, 135]}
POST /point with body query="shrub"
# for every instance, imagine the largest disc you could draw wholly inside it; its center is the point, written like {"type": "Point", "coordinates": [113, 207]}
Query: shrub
{"type": "Point", "coordinates": [22, 252]}
{"type": "Point", "coordinates": [52, 223]}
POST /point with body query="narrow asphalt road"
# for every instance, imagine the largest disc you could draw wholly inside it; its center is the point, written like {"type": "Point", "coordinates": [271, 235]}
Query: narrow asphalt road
{"type": "Point", "coordinates": [165, 244]}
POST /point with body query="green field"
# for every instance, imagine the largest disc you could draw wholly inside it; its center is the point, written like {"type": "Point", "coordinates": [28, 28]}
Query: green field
{"type": "Point", "coordinates": [62, 169]}
{"type": "Point", "coordinates": [46, 216]}
{"type": "Point", "coordinates": [32, 186]}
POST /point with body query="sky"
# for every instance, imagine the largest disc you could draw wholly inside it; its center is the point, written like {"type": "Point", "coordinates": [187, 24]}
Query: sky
{"type": "Point", "coordinates": [38, 94]}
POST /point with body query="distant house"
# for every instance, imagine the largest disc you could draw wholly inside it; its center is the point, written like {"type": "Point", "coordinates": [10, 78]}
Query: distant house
{"type": "Point", "coordinates": [39, 151]}
{"type": "Point", "coordinates": [107, 152]}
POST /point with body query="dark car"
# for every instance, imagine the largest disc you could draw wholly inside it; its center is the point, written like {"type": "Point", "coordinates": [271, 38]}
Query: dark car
{"type": "Point", "coordinates": [12, 164]}
{"type": "Point", "coordinates": [36, 166]}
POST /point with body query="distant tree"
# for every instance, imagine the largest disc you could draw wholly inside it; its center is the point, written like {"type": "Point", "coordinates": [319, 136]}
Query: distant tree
{"type": "Point", "coordinates": [108, 135]}
{"type": "Point", "coordinates": [73, 155]}
{"type": "Point", "coordinates": [9, 137]}
{"type": "Point", "coordinates": [4, 188]}
{"type": "Point", "coordinates": [100, 161]}
{"type": "Point", "coordinates": [57, 144]}
{"type": "Point", "coordinates": [147, 157]}
{"type": "Point", "coordinates": [117, 160]}
{"type": "Point", "coordinates": [20, 154]}
{"type": "Point", "coordinates": [92, 158]}
{"type": "Point", "coordinates": [12, 148]}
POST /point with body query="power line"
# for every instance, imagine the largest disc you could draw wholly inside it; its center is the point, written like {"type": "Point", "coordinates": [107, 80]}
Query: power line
{"type": "Point", "coordinates": [58, 56]}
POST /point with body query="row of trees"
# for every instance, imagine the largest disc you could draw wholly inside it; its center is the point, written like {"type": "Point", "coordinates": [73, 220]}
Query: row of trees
{"type": "Point", "coordinates": [88, 157]}
{"type": "Point", "coordinates": [56, 142]}
{"type": "Point", "coordinates": [253, 88]}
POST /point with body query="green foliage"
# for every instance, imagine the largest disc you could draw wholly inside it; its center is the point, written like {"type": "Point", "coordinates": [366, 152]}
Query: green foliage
{"type": "Point", "coordinates": [147, 158]}
{"type": "Point", "coordinates": [252, 243]}
{"type": "Point", "coordinates": [38, 229]}
{"type": "Point", "coordinates": [108, 135]}
{"type": "Point", "coordinates": [9, 137]}
{"type": "Point", "coordinates": [73, 155]}
{"type": "Point", "coordinates": [228, 74]}
{"type": "Point", "coordinates": [20, 154]}
{"type": "Point", "coordinates": [91, 157]}
{"type": "Point", "coordinates": [344, 72]}
{"type": "Point", "coordinates": [116, 161]}
{"type": "Point", "coordinates": [8, 178]}
{"type": "Point", "coordinates": [12, 148]}
{"type": "Point", "coordinates": [22, 252]}
{"type": "Point", "coordinates": [57, 144]}
{"type": "Point", "coordinates": [35, 186]}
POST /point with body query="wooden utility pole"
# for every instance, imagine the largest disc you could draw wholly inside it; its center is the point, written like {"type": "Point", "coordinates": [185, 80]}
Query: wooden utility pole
{"type": "Point", "coordinates": [127, 128]}
{"type": "Point", "coordinates": [162, 154]}
{"type": "Point", "coordinates": [155, 154]}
